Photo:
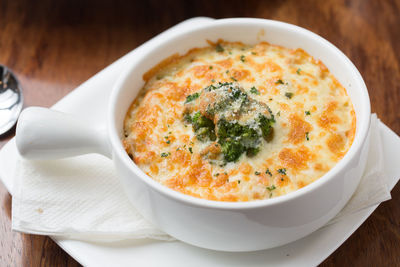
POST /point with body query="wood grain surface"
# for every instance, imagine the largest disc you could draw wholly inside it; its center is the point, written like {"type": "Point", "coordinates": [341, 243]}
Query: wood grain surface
{"type": "Point", "coordinates": [53, 46]}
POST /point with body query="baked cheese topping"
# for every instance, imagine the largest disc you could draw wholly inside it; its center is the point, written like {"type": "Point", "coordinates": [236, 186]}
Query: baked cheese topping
{"type": "Point", "coordinates": [235, 122]}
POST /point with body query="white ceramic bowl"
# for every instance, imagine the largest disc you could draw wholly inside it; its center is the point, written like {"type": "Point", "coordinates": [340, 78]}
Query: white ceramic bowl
{"type": "Point", "coordinates": [243, 226]}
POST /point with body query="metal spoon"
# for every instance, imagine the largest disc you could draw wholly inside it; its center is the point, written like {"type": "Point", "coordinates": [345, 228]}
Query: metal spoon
{"type": "Point", "coordinates": [11, 99]}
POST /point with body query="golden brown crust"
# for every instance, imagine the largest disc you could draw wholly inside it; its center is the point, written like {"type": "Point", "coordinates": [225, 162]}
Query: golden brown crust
{"type": "Point", "coordinates": [315, 121]}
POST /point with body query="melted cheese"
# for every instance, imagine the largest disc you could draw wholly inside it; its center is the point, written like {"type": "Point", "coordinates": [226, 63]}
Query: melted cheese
{"type": "Point", "coordinates": [314, 122]}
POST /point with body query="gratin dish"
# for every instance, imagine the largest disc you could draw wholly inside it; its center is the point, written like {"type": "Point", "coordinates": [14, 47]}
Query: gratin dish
{"type": "Point", "coordinates": [247, 226]}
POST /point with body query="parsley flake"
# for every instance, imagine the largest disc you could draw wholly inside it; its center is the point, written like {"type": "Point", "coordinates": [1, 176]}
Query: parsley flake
{"type": "Point", "coordinates": [192, 97]}
{"type": "Point", "coordinates": [168, 142]}
{"type": "Point", "coordinates": [165, 154]}
{"type": "Point", "coordinates": [257, 173]}
{"type": "Point", "coordinates": [298, 71]}
{"type": "Point", "coordinates": [242, 58]}
{"type": "Point", "coordinates": [307, 113]}
{"type": "Point", "coordinates": [190, 150]}
{"type": "Point", "coordinates": [268, 172]}
{"type": "Point", "coordinates": [211, 67]}
{"type": "Point", "coordinates": [254, 90]}
{"type": "Point", "coordinates": [308, 138]}
{"type": "Point", "coordinates": [279, 82]}
{"type": "Point", "coordinates": [282, 171]}
{"type": "Point", "coordinates": [270, 188]}
{"type": "Point", "coordinates": [289, 95]}
{"type": "Point", "coordinates": [233, 79]}
{"type": "Point", "coordinates": [253, 53]}
{"type": "Point", "coordinates": [219, 48]}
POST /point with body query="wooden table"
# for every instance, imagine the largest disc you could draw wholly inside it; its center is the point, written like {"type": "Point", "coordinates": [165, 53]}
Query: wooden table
{"type": "Point", "coordinates": [53, 46]}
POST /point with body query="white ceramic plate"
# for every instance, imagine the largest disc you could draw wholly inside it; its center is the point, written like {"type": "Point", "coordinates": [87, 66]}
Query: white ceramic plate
{"type": "Point", "coordinates": [91, 97]}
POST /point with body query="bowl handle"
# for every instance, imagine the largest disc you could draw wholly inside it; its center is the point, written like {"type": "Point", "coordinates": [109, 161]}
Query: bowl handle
{"type": "Point", "coordinates": [47, 134]}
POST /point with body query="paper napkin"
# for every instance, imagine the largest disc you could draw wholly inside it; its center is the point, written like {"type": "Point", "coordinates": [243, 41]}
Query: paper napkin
{"type": "Point", "coordinates": [81, 197]}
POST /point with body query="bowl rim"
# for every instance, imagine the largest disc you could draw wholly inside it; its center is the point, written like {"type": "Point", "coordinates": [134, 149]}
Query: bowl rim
{"type": "Point", "coordinates": [357, 144]}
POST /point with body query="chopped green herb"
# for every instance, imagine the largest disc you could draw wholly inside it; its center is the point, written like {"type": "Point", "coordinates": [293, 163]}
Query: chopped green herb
{"type": "Point", "coordinates": [159, 77]}
{"type": "Point", "coordinates": [279, 82]}
{"type": "Point", "coordinates": [192, 97]}
{"type": "Point", "coordinates": [242, 58]}
{"type": "Point", "coordinates": [253, 53]}
{"type": "Point", "coordinates": [238, 181]}
{"type": "Point", "coordinates": [298, 71]}
{"type": "Point", "coordinates": [168, 142]}
{"type": "Point", "coordinates": [165, 154]}
{"type": "Point", "coordinates": [217, 174]}
{"type": "Point", "coordinates": [212, 80]}
{"type": "Point", "coordinates": [307, 112]}
{"type": "Point", "coordinates": [219, 48]}
{"type": "Point", "coordinates": [227, 71]}
{"type": "Point", "coordinates": [289, 95]}
{"type": "Point", "coordinates": [166, 137]}
{"type": "Point", "coordinates": [278, 114]}
{"type": "Point", "coordinates": [308, 138]}
{"type": "Point", "coordinates": [270, 188]}
{"type": "Point", "coordinates": [282, 171]}
{"type": "Point", "coordinates": [257, 173]}
{"type": "Point", "coordinates": [254, 90]}
{"type": "Point", "coordinates": [211, 67]}
{"type": "Point", "coordinates": [230, 53]}
{"type": "Point", "coordinates": [190, 150]}
{"type": "Point", "coordinates": [178, 149]}
{"type": "Point", "coordinates": [268, 172]}
{"type": "Point", "coordinates": [233, 79]}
